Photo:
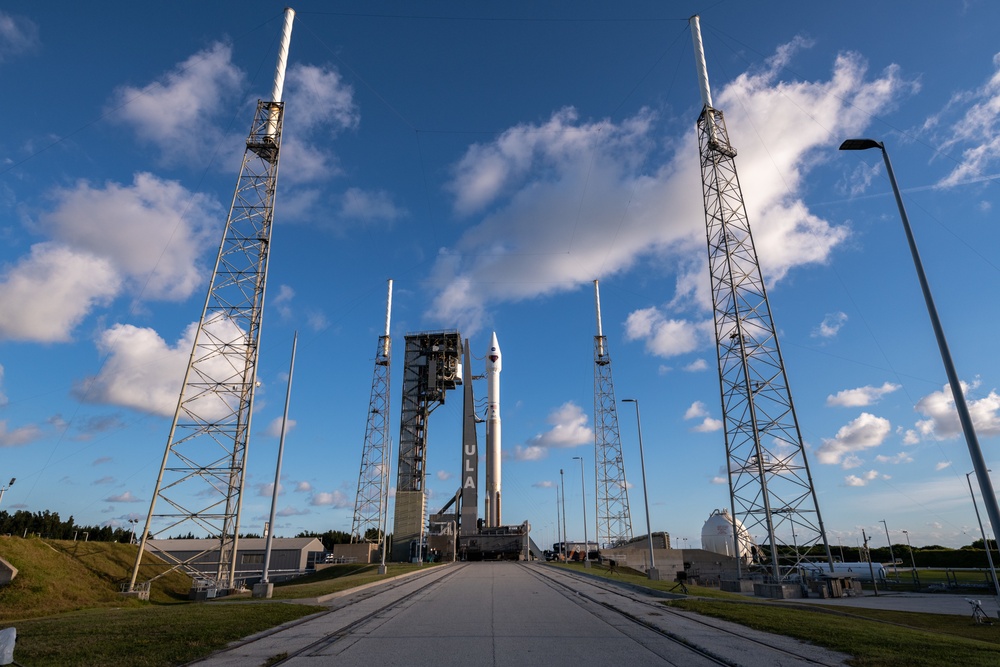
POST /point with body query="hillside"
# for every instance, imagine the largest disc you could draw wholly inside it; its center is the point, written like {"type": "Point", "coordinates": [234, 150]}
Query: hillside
{"type": "Point", "coordinates": [61, 575]}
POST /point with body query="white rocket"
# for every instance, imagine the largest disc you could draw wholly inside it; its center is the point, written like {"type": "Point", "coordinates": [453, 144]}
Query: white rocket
{"type": "Point", "coordinates": [494, 364]}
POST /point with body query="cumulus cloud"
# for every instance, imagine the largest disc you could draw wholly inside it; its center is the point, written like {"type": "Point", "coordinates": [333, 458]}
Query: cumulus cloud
{"type": "Point", "coordinates": [365, 205]}
{"type": "Point", "coordinates": [901, 457]}
{"type": "Point", "coordinates": [696, 366]}
{"type": "Point", "coordinates": [569, 429]}
{"type": "Point", "coordinates": [942, 465]}
{"type": "Point", "coordinates": [549, 190]}
{"type": "Point", "coordinates": [861, 396]}
{"type": "Point", "coordinates": [708, 425]}
{"type": "Point", "coordinates": [942, 422]}
{"type": "Point", "coordinates": [126, 497]}
{"type": "Point", "coordinates": [303, 487]}
{"type": "Point", "coordinates": [697, 410]}
{"type": "Point", "coordinates": [336, 499]}
{"type": "Point", "coordinates": [665, 337]}
{"type": "Point", "coordinates": [863, 479]}
{"type": "Point", "coordinates": [175, 112]}
{"type": "Point", "coordinates": [830, 326]}
{"type": "Point", "coordinates": [19, 436]}
{"type": "Point", "coordinates": [273, 429]}
{"type": "Point", "coordinates": [865, 432]}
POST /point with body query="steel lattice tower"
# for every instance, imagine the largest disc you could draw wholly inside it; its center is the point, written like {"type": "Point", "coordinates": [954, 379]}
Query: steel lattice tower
{"type": "Point", "coordinates": [200, 484]}
{"type": "Point", "coordinates": [614, 523]}
{"type": "Point", "coordinates": [771, 488]}
{"type": "Point", "coordinates": [373, 482]}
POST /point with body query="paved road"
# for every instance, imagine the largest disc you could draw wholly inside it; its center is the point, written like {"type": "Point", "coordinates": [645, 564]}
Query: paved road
{"type": "Point", "coordinates": [498, 614]}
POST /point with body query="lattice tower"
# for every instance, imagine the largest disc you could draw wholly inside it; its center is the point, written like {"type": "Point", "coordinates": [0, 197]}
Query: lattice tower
{"type": "Point", "coordinates": [614, 522]}
{"type": "Point", "coordinates": [199, 488]}
{"type": "Point", "coordinates": [373, 482]}
{"type": "Point", "coordinates": [771, 488]}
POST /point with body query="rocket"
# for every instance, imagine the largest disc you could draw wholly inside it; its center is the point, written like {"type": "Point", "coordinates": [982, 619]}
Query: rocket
{"type": "Point", "coordinates": [494, 364]}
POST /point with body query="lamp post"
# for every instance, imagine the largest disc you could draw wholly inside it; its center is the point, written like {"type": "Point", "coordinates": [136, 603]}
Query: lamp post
{"type": "Point", "coordinates": [891, 556]}
{"type": "Point", "coordinates": [3, 489]}
{"type": "Point", "coordinates": [653, 573]}
{"type": "Point", "coordinates": [913, 563]}
{"type": "Point", "coordinates": [583, 490]}
{"type": "Point", "coordinates": [562, 485]}
{"type": "Point", "coordinates": [986, 543]}
{"type": "Point", "coordinates": [978, 463]}
{"type": "Point", "coordinates": [558, 526]}
{"type": "Point", "coordinates": [131, 537]}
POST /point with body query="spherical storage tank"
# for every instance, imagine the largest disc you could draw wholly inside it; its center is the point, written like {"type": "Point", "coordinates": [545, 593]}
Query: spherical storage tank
{"type": "Point", "coordinates": [717, 535]}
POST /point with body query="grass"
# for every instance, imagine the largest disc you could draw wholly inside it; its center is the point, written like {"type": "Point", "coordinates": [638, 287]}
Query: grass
{"type": "Point", "coordinates": [338, 578]}
{"type": "Point", "coordinates": [875, 638]}
{"type": "Point", "coordinates": [145, 636]}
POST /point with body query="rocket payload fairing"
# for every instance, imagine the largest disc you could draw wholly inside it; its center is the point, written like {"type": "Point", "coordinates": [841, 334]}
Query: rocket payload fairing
{"type": "Point", "coordinates": [494, 364]}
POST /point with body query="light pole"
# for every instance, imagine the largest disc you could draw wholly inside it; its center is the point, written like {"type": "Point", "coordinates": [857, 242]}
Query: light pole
{"type": "Point", "coordinates": [978, 463]}
{"type": "Point", "coordinates": [559, 540]}
{"type": "Point", "coordinates": [986, 543]}
{"type": "Point", "coordinates": [3, 489]}
{"type": "Point", "coordinates": [891, 556]}
{"type": "Point", "coordinates": [913, 563]}
{"type": "Point", "coordinates": [131, 537]}
{"type": "Point", "coordinates": [653, 573]}
{"type": "Point", "coordinates": [583, 490]}
{"type": "Point", "coordinates": [562, 485]}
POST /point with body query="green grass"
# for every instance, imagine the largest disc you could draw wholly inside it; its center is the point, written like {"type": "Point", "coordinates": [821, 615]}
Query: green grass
{"type": "Point", "coordinates": [145, 636]}
{"type": "Point", "coordinates": [930, 640]}
{"type": "Point", "coordinates": [338, 578]}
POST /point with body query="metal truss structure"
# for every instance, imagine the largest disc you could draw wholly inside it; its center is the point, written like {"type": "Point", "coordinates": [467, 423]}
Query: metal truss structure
{"type": "Point", "coordinates": [771, 488]}
{"type": "Point", "coordinates": [431, 366]}
{"type": "Point", "coordinates": [373, 482]}
{"type": "Point", "coordinates": [614, 521]}
{"type": "Point", "coordinates": [200, 485]}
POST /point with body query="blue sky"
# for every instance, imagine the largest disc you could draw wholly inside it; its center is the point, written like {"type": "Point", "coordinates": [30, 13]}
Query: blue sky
{"type": "Point", "coordinates": [493, 160]}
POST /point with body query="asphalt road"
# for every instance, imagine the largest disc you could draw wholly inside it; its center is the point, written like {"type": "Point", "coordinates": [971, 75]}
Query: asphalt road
{"type": "Point", "coordinates": [496, 614]}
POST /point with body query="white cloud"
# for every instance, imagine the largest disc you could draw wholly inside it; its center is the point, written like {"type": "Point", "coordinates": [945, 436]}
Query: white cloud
{"type": "Point", "coordinates": [666, 337]}
{"type": "Point", "coordinates": [942, 465]}
{"type": "Point", "coordinates": [862, 396]}
{"type": "Point", "coordinates": [569, 429]}
{"type": "Point", "coordinates": [830, 326]}
{"type": "Point", "coordinates": [708, 425]}
{"type": "Point", "coordinates": [855, 480]}
{"type": "Point", "coordinates": [266, 490]}
{"type": "Point", "coordinates": [273, 429]}
{"type": "Point", "coordinates": [141, 370]}
{"type": "Point", "coordinates": [19, 436]}
{"type": "Point", "coordinates": [549, 190]}
{"type": "Point", "coordinates": [901, 457]}
{"type": "Point", "coordinates": [443, 475]}
{"type": "Point", "coordinates": [977, 131]}
{"type": "Point", "coordinates": [942, 418]}
{"type": "Point", "coordinates": [863, 433]}
{"type": "Point", "coordinates": [696, 410]}
{"type": "Point", "coordinates": [18, 36]}
{"type": "Point", "coordinates": [126, 497]}
{"type": "Point", "coordinates": [546, 484]}
{"type": "Point", "coordinates": [174, 112]}
{"type": "Point", "coordinates": [291, 511]}
{"type": "Point", "coordinates": [696, 366]}
{"type": "Point", "coordinates": [370, 206]}
{"type": "Point", "coordinates": [47, 294]}
{"type": "Point", "coordinates": [336, 499]}
{"type": "Point", "coordinates": [303, 487]}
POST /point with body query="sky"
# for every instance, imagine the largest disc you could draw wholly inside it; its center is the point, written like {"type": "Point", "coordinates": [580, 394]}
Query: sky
{"type": "Point", "coordinates": [493, 160]}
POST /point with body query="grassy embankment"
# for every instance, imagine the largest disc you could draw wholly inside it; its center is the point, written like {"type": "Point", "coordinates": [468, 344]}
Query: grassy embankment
{"type": "Point", "coordinates": [66, 606]}
{"type": "Point", "coordinates": [874, 638]}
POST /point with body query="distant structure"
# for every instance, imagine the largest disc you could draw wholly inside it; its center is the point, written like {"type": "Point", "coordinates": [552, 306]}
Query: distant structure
{"type": "Point", "coordinates": [431, 367]}
{"type": "Point", "coordinates": [373, 481]}
{"type": "Point", "coordinates": [770, 486]}
{"type": "Point", "coordinates": [717, 536]}
{"type": "Point", "coordinates": [199, 487]}
{"type": "Point", "coordinates": [614, 522]}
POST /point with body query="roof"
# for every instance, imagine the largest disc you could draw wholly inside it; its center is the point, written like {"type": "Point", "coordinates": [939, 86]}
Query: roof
{"type": "Point", "coordinates": [245, 544]}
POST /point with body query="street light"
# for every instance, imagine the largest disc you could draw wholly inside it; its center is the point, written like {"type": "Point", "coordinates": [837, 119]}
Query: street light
{"type": "Point", "coordinates": [891, 556]}
{"type": "Point", "coordinates": [3, 489]}
{"type": "Point", "coordinates": [986, 544]}
{"type": "Point", "coordinates": [913, 563]}
{"type": "Point", "coordinates": [978, 463]}
{"type": "Point", "coordinates": [653, 573]}
{"type": "Point", "coordinates": [583, 490]}
{"type": "Point", "coordinates": [562, 485]}
{"type": "Point", "coordinates": [131, 537]}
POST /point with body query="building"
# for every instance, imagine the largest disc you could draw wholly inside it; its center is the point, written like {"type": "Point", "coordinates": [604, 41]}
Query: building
{"type": "Point", "coordinates": [289, 556]}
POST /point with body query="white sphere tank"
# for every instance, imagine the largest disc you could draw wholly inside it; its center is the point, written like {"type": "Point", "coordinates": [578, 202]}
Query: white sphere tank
{"type": "Point", "coordinates": [717, 535]}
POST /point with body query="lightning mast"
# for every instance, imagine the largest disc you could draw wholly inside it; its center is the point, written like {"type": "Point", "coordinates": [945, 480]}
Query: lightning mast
{"type": "Point", "coordinates": [770, 486]}
{"type": "Point", "coordinates": [614, 523]}
{"type": "Point", "coordinates": [374, 478]}
{"type": "Point", "coordinates": [200, 483]}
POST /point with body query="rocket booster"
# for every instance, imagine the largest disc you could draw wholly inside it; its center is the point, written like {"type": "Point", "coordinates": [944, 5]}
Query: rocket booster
{"type": "Point", "coordinates": [494, 364]}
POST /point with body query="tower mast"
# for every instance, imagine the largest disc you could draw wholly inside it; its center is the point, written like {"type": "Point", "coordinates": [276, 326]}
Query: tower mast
{"type": "Point", "coordinates": [374, 478]}
{"type": "Point", "coordinates": [614, 523]}
{"type": "Point", "coordinates": [199, 488]}
{"type": "Point", "coordinates": [770, 486]}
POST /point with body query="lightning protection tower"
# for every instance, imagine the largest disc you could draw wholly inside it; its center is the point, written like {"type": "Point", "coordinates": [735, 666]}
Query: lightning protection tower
{"type": "Point", "coordinates": [199, 488]}
{"type": "Point", "coordinates": [373, 482]}
{"type": "Point", "coordinates": [770, 486]}
{"type": "Point", "coordinates": [614, 522]}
